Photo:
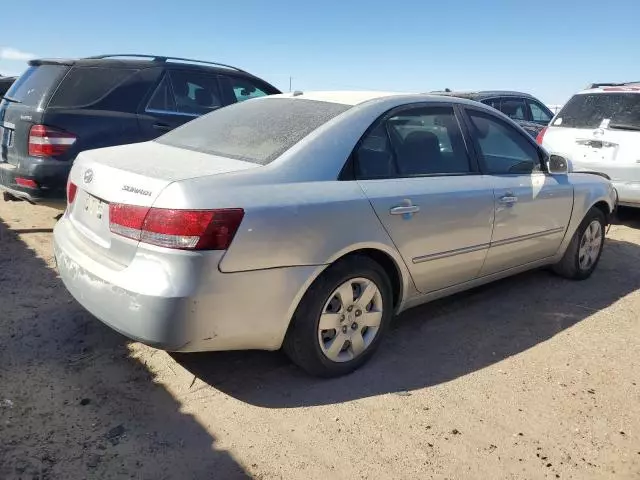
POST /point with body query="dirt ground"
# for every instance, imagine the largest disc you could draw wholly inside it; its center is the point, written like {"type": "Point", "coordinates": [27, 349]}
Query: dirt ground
{"type": "Point", "coordinates": [532, 377]}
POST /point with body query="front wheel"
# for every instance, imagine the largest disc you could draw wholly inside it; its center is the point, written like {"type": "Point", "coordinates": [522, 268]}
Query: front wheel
{"type": "Point", "coordinates": [583, 253]}
{"type": "Point", "coordinates": [341, 319]}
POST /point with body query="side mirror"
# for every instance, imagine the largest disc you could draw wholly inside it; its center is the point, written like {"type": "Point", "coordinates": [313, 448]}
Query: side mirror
{"type": "Point", "coordinates": [557, 165]}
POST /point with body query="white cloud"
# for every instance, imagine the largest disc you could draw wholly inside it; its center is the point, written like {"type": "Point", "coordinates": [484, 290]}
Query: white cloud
{"type": "Point", "coordinates": [8, 53]}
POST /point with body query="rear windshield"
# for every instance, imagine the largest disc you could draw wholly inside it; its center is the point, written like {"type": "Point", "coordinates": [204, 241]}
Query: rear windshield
{"type": "Point", "coordinates": [256, 131]}
{"type": "Point", "coordinates": [590, 109]}
{"type": "Point", "coordinates": [35, 83]}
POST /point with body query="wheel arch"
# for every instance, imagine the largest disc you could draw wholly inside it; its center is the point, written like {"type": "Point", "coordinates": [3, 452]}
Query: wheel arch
{"type": "Point", "coordinates": [401, 282]}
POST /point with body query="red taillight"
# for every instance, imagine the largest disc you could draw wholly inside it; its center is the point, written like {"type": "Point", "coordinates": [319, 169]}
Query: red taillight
{"type": "Point", "coordinates": [72, 188]}
{"type": "Point", "coordinates": [181, 229]}
{"type": "Point", "coordinates": [540, 136]}
{"type": "Point", "coordinates": [48, 142]}
{"type": "Point", "coordinates": [26, 182]}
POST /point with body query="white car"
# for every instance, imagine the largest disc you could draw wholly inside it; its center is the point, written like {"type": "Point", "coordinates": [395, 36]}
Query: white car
{"type": "Point", "coordinates": [598, 130]}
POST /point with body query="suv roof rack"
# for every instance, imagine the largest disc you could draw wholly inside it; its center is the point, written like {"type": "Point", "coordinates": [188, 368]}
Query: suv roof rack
{"type": "Point", "coordinates": [163, 58]}
{"type": "Point", "coordinates": [611, 84]}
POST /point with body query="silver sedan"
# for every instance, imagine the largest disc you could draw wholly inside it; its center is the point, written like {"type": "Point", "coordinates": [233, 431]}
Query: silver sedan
{"type": "Point", "coordinates": [308, 220]}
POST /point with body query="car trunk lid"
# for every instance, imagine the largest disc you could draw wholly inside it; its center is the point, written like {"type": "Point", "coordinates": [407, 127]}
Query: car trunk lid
{"type": "Point", "coordinates": [132, 175]}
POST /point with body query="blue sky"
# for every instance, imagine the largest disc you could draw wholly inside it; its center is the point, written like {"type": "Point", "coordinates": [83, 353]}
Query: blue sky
{"type": "Point", "coordinates": [547, 48]}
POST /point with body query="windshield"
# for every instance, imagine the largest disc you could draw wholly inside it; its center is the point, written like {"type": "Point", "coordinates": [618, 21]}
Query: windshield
{"type": "Point", "coordinates": [589, 110]}
{"type": "Point", "coordinates": [256, 131]}
{"type": "Point", "coordinates": [34, 83]}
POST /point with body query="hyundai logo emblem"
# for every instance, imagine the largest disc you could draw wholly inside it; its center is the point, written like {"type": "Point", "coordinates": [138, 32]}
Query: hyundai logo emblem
{"type": "Point", "coordinates": [88, 176]}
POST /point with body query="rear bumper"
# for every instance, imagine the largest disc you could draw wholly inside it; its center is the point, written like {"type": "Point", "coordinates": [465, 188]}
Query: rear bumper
{"type": "Point", "coordinates": [49, 175]}
{"type": "Point", "coordinates": [180, 301]}
{"type": "Point", "coordinates": [628, 193]}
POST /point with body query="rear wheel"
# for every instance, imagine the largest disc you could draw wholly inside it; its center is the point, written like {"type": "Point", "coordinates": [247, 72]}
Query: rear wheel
{"type": "Point", "coordinates": [583, 253]}
{"type": "Point", "coordinates": [341, 319]}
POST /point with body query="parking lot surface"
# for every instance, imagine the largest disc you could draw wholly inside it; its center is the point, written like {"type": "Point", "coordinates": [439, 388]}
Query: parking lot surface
{"type": "Point", "coordinates": [530, 377]}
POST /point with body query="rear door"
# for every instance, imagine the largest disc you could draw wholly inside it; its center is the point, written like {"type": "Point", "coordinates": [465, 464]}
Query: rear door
{"type": "Point", "coordinates": [179, 97]}
{"type": "Point", "coordinates": [22, 107]}
{"type": "Point", "coordinates": [414, 167]}
{"type": "Point", "coordinates": [532, 208]}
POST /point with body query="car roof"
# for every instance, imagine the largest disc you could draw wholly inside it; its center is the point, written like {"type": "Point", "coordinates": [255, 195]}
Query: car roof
{"type": "Point", "coordinates": [630, 87]}
{"type": "Point", "coordinates": [484, 94]}
{"type": "Point", "coordinates": [142, 61]}
{"type": "Point", "coordinates": [357, 97]}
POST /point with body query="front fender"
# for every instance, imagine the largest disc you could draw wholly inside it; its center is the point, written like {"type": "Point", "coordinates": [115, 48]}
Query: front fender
{"type": "Point", "coordinates": [589, 190]}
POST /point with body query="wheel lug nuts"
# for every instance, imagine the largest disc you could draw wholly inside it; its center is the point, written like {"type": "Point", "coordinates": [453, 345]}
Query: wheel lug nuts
{"type": "Point", "coordinates": [344, 329]}
{"type": "Point", "coordinates": [358, 313]}
{"type": "Point", "coordinates": [354, 325]}
{"type": "Point", "coordinates": [342, 318]}
{"type": "Point", "coordinates": [349, 308]}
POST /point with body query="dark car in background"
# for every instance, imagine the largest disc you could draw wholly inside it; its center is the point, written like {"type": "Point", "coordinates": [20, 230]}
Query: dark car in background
{"type": "Point", "coordinates": [5, 83]}
{"type": "Point", "coordinates": [59, 108]}
{"type": "Point", "coordinates": [526, 110]}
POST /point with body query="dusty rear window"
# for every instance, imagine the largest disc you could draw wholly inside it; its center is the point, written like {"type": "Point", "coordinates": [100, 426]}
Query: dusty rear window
{"type": "Point", "coordinates": [36, 83]}
{"type": "Point", "coordinates": [588, 110]}
{"type": "Point", "coordinates": [256, 131]}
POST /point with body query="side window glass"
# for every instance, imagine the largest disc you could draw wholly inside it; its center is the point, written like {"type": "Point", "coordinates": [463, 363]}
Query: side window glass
{"type": "Point", "coordinates": [513, 108]}
{"type": "Point", "coordinates": [162, 99]}
{"type": "Point", "coordinates": [538, 113]}
{"type": "Point", "coordinates": [374, 157]}
{"type": "Point", "coordinates": [244, 89]}
{"type": "Point", "coordinates": [428, 141]}
{"type": "Point", "coordinates": [503, 149]}
{"type": "Point", "coordinates": [195, 93]}
{"type": "Point", "coordinates": [492, 102]}
{"type": "Point", "coordinates": [421, 141]}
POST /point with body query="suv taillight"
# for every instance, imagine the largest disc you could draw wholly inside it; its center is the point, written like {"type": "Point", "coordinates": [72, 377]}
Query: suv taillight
{"type": "Point", "coordinates": [179, 229]}
{"type": "Point", "coordinates": [540, 136]}
{"type": "Point", "coordinates": [49, 142]}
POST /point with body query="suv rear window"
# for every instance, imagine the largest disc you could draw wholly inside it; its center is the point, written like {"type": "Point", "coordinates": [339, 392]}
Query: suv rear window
{"type": "Point", "coordinates": [587, 110]}
{"type": "Point", "coordinates": [35, 83]}
{"type": "Point", "coordinates": [84, 86]}
{"type": "Point", "coordinates": [256, 131]}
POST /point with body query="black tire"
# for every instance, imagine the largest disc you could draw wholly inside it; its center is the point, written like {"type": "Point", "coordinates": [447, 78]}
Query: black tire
{"type": "Point", "coordinates": [569, 267]}
{"type": "Point", "coordinates": [301, 342]}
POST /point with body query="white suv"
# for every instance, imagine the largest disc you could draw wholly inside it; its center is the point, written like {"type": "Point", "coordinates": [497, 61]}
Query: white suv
{"type": "Point", "coordinates": [598, 129]}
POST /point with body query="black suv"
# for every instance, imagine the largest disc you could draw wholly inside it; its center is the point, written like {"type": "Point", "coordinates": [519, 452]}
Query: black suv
{"type": "Point", "coordinates": [5, 83]}
{"type": "Point", "coordinates": [526, 110]}
{"type": "Point", "coordinates": [59, 108]}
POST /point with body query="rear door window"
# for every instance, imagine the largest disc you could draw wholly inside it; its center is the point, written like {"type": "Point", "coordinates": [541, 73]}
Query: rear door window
{"type": "Point", "coordinates": [84, 86]}
{"type": "Point", "coordinates": [514, 108]}
{"type": "Point", "coordinates": [195, 93]}
{"type": "Point", "coordinates": [589, 110]}
{"type": "Point", "coordinates": [35, 84]}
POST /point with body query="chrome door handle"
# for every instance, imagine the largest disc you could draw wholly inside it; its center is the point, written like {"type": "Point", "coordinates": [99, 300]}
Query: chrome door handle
{"type": "Point", "coordinates": [508, 199]}
{"type": "Point", "coordinates": [403, 210]}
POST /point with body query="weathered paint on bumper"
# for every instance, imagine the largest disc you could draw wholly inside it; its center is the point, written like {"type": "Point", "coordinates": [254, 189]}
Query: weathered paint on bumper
{"type": "Point", "coordinates": [180, 301]}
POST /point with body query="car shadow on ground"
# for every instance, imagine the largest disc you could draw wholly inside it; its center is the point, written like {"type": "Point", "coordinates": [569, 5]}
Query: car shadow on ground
{"type": "Point", "coordinates": [437, 342]}
{"type": "Point", "coordinates": [73, 403]}
{"type": "Point", "coordinates": [628, 216]}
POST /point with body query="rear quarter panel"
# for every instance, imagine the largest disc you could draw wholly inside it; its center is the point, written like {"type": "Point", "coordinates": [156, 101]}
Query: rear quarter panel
{"type": "Point", "coordinates": [285, 225]}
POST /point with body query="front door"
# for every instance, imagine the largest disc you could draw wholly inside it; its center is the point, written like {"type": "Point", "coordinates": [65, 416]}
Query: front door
{"type": "Point", "coordinates": [532, 208]}
{"type": "Point", "coordinates": [438, 210]}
